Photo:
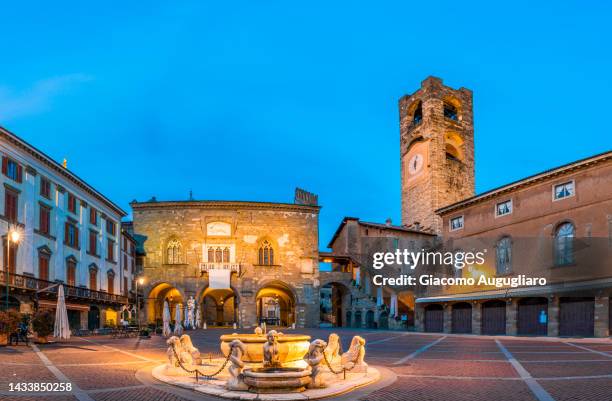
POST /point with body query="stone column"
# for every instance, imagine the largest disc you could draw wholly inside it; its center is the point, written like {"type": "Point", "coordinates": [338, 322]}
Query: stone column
{"type": "Point", "coordinates": [511, 317]}
{"type": "Point", "coordinates": [476, 314]}
{"type": "Point", "coordinates": [448, 318]}
{"type": "Point", "coordinates": [602, 316]}
{"type": "Point", "coordinates": [553, 316]}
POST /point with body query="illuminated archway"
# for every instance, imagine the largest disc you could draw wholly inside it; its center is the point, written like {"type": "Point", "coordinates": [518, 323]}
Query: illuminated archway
{"type": "Point", "coordinates": [276, 305]}
{"type": "Point", "coordinates": [219, 306]}
{"type": "Point", "coordinates": [155, 302]}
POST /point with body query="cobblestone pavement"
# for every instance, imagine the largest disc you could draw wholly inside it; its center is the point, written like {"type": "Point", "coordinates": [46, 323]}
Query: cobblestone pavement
{"type": "Point", "coordinates": [428, 367]}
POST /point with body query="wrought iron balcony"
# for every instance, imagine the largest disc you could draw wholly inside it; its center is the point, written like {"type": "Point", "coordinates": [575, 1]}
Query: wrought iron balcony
{"type": "Point", "coordinates": [70, 291]}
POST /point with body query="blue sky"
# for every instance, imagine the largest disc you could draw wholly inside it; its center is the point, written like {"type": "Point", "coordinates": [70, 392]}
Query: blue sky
{"type": "Point", "coordinates": [247, 101]}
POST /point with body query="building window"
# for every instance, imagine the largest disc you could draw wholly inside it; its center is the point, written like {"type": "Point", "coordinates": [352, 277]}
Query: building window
{"type": "Point", "coordinates": [71, 235]}
{"type": "Point", "coordinates": [12, 253]}
{"type": "Point", "coordinates": [504, 256]}
{"type": "Point", "coordinates": [110, 250]}
{"type": "Point", "coordinates": [564, 244]}
{"type": "Point", "coordinates": [266, 254]}
{"type": "Point", "coordinates": [417, 117]}
{"type": "Point", "coordinates": [12, 169]}
{"type": "Point", "coordinates": [456, 223]}
{"type": "Point", "coordinates": [450, 111]}
{"type": "Point", "coordinates": [71, 272]}
{"type": "Point", "coordinates": [10, 205]}
{"type": "Point", "coordinates": [564, 190]}
{"type": "Point", "coordinates": [503, 208]}
{"type": "Point", "coordinates": [125, 262]}
{"type": "Point", "coordinates": [174, 252]}
{"type": "Point", "coordinates": [93, 242]}
{"type": "Point", "coordinates": [125, 286]}
{"type": "Point", "coordinates": [111, 282]}
{"type": "Point", "coordinates": [43, 266]}
{"type": "Point", "coordinates": [45, 188]}
{"type": "Point", "coordinates": [110, 227]}
{"type": "Point", "coordinates": [44, 223]}
{"type": "Point", "coordinates": [93, 278]}
{"type": "Point", "coordinates": [218, 254]}
{"type": "Point", "coordinates": [93, 216]}
{"type": "Point", "coordinates": [71, 203]}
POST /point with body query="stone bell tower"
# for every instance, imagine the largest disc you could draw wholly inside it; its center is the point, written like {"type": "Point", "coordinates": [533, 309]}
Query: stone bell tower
{"type": "Point", "coordinates": [436, 152]}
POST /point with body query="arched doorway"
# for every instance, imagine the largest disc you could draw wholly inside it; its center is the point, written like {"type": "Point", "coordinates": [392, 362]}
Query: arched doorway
{"type": "Point", "coordinates": [532, 317]}
{"type": "Point", "coordinates": [93, 318]}
{"type": "Point", "coordinates": [218, 307]}
{"type": "Point", "coordinates": [370, 324]}
{"type": "Point", "coordinates": [335, 299]}
{"type": "Point", "coordinates": [155, 303]}
{"type": "Point", "coordinates": [462, 318]}
{"type": "Point", "coordinates": [494, 317]}
{"type": "Point", "coordinates": [383, 320]}
{"type": "Point", "coordinates": [434, 318]}
{"type": "Point", "coordinates": [275, 305]}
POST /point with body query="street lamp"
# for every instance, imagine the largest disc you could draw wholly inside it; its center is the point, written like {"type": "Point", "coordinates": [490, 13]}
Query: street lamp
{"type": "Point", "coordinates": [15, 236]}
{"type": "Point", "coordinates": [141, 282]}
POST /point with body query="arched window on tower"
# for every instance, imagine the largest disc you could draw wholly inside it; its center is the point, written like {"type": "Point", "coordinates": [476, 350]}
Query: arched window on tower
{"type": "Point", "coordinates": [174, 252]}
{"type": "Point", "coordinates": [417, 116]}
{"type": "Point", "coordinates": [266, 254]}
{"type": "Point", "coordinates": [564, 244]}
{"type": "Point", "coordinates": [504, 256]}
{"type": "Point", "coordinates": [450, 111]}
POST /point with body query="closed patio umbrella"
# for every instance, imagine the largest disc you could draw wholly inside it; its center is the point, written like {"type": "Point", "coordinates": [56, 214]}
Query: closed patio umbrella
{"type": "Point", "coordinates": [166, 318]}
{"type": "Point", "coordinates": [61, 328]}
{"type": "Point", "coordinates": [198, 318]}
{"type": "Point", "coordinates": [178, 328]}
{"type": "Point", "coordinates": [187, 323]}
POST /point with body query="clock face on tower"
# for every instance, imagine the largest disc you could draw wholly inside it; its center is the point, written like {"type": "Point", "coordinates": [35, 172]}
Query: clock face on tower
{"type": "Point", "coordinates": [415, 164]}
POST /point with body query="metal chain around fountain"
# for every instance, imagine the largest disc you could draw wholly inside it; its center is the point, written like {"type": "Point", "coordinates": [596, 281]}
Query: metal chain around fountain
{"type": "Point", "coordinates": [199, 374]}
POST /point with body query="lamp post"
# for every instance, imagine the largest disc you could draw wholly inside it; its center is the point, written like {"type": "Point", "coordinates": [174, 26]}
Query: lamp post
{"type": "Point", "coordinates": [141, 282]}
{"type": "Point", "coordinates": [15, 236]}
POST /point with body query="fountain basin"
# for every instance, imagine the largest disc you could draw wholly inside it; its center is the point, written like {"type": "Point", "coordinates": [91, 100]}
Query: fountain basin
{"type": "Point", "coordinates": [291, 347]}
{"type": "Point", "coordinates": [276, 380]}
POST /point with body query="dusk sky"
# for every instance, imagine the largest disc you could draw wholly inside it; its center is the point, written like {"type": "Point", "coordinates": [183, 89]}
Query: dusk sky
{"type": "Point", "coordinates": [247, 100]}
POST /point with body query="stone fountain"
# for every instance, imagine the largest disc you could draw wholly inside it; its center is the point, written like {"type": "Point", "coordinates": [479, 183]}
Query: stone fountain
{"type": "Point", "coordinates": [268, 365]}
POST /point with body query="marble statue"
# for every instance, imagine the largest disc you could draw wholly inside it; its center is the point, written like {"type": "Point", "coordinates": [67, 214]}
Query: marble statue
{"type": "Point", "coordinates": [314, 357]}
{"type": "Point", "coordinates": [191, 304]}
{"type": "Point", "coordinates": [271, 358]}
{"type": "Point", "coordinates": [332, 351]}
{"type": "Point", "coordinates": [174, 343]}
{"type": "Point", "coordinates": [353, 359]}
{"type": "Point", "coordinates": [187, 346]}
{"type": "Point", "coordinates": [176, 349]}
{"type": "Point", "coordinates": [236, 380]}
{"type": "Point", "coordinates": [258, 331]}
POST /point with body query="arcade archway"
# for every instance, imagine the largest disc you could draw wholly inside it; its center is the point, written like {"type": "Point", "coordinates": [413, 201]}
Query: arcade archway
{"type": "Point", "coordinates": [335, 300]}
{"type": "Point", "coordinates": [219, 307]}
{"type": "Point", "coordinates": [275, 305]}
{"type": "Point", "coordinates": [155, 302]}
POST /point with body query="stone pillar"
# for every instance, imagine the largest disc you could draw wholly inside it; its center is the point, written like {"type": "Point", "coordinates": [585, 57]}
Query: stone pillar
{"type": "Point", "coordinates": [419, 317]}
{"type": "Point", "coordinates": [511, 317]}
{"type": "Point", "coordinates": [476, 318]}
{"type": "Point", "coordinates": [448, 318]}
{"type": "Point", "coordinates": [602, 316]}
{"type": "Point", "coordinates": [553, 316]}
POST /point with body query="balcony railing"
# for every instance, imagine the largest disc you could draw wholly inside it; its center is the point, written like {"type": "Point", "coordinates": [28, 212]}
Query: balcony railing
{"type": "Point", "coordinates": [70, 291]}
{"type": "Point", "coordinates": [205, 267]}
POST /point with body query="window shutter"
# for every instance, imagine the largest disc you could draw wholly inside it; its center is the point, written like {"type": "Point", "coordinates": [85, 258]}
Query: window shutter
{"type": "Point", "coordinates": [19, 173]}
{"type": "Point", "coordinates": [4, 165]}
